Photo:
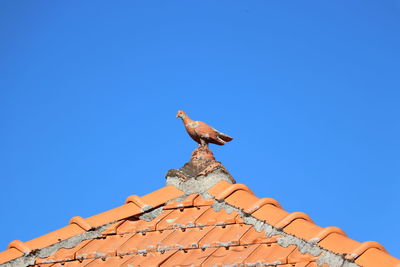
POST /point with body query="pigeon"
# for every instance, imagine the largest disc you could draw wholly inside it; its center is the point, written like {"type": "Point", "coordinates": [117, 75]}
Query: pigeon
{"type": "Point", "coordinates": [201, 132]}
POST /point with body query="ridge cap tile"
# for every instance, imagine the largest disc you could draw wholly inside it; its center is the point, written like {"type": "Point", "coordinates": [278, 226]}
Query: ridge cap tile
{"type": "Point", "coordinates": [186, 202]}
{"type": "Point", "coordinates": [374, 257]}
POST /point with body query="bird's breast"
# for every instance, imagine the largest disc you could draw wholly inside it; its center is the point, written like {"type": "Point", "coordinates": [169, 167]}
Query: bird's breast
{"type": "Point", "coordinates": [192, 125]}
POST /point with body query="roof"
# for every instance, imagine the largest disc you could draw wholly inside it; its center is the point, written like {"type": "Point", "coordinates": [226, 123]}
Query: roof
{"type": "Point", "coordinates": [223, 224]}
{"type": "Point", "coordinates": [227, 225]}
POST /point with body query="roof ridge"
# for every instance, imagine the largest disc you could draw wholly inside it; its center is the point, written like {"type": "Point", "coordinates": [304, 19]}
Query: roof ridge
{"type": "Point", "coordinates": [263, 214]}
{"type": "Point", "coordinates": [223, 193]}
{"type": "Point", "coordinates": [78, 226]}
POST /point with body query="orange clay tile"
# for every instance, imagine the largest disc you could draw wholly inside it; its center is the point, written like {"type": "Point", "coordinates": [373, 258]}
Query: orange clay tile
{"type": "Point", "coordinates": [162, 195]}
{"type": "Point", "coordinates": [376, 258]}
{"type": "Point", "coordinates": [303, 229]}
{"type": "Point", "coordinates": [297, 256]}
{"type": "Point", "coordinates": [270, 253]}
{"type": "Point", "coordinates": [72, 263]}
{"type": "Point", "coordinates": [241, 199]}
{"type": "Point", "coordinates": [291, 217]}
{"type": "Point", "coordinates": [189, 258]}
{"type": "Point", "coordinates": [187, 202]}
{"type": "Point", "coordinates": [261, 202]}
{"type": "Point", "coordinates": [224, 235]}
{"type": "Point", "coordinates": [270, 214]}
{"type": "Point", "coordinates": [10, 254]}
{"type": "Point", "coordinates": [44, 265]}
{"type": "Point", "coordinates": [151, 259]}
{"type": "Point", "coordinates": [339, 243]}
{"type": "Point", "coordinates": [105, 262]}
{"type": "Point", "coordinates": [55, 237]}
{"type": "Point", "coordinates": [352, 255]}
{"type": "Point", "coordinates": [231, 189]}
{"type": "Point", "coordinates": [219, 187]}
{"type": "Point", "coordinates": [143, 242]}
{"type": "Point", "coordinates": [19, 245]}
{"type": "Point", "coordinates": [63, 254]}
{"type": "Point", "coordinates": [102, 247]}
{"type": "Point", "coordinates": [82, 223]}
{"type": "Point", "coordinates": [133, 225]}
{"type": "Point", "coordinates": [299, 264]}
{"type": "Point", "coordinates": [118, 213]}
{"type": "Point", "coordinates": [211, 217]}
{"type": "Point", "coordinates": [232, 256]}
{"type": "Point", "coordinates": [327, 231]}
{"type": "Point", "coordinates": [184, 238]}
{"type": "Point", "coordinates": [200, 201]}
{"type": "Point", "coordinates": [137, 201]}
{"type": "Point", "coordinates": [252, 237]}
{"type": "Point", "coordinates": [112, 229]}
{"type": "Point", "coordinates": [185, 217]}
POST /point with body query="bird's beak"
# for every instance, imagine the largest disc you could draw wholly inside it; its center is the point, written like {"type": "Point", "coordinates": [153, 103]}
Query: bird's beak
{"type": "Point", "coordinates": [177, 115]}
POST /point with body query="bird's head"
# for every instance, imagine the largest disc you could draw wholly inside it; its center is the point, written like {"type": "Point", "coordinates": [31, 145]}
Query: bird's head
{"type": "Point", "coordinates": [181, 114]}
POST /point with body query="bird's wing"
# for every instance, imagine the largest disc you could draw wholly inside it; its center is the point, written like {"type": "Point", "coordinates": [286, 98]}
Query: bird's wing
{"type": "Point", "coordinates": [203, 130]}
{"type": "Point", "coordinates": [223, 136]}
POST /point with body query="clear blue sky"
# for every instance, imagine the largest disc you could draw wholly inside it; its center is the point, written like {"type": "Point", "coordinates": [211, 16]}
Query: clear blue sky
{"type": "Point", "coordinates": [310, 90]}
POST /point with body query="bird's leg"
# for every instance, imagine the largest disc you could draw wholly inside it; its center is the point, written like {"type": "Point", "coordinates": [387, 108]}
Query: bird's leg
{"type": "Point", "coordinates": [203, 143]}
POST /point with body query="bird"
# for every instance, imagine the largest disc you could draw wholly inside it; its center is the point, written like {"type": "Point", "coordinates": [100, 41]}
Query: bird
{"type": "Point", "coordinates": [201, 132]}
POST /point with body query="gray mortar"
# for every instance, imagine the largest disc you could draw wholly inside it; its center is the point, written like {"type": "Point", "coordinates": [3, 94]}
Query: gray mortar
{"type": "Point", "coordinates": [199, 184]}
{"type": "Point", "coordinates": [151, 215]}
{"type": "Point", "coordinates": [29, 259]}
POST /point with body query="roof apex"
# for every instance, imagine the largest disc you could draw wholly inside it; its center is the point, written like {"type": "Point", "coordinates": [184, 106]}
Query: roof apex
{"type": "Point", "coordinates": [201, 173]}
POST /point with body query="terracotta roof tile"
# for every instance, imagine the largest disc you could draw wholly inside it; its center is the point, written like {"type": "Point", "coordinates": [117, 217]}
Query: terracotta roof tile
{"type": "Point", "coordinates": [252, 236]}
{"type": "Point", "coordinates": [134, 225]}
{"type": "Point", "coordinates": [339, 243]}
{"type": "Point", "coordinates": [376, 258]}
{"type": "Point", "coordinates": [270, 254]}
{"type": "Point", "coordinates": [10, 254]}
{"type": "Point", "coordinates": [200, 201]}
{"type": "Point", "coordinates": [55, 236]}
{"type": "Point", "coordinates": [224, 235]}
{"type": "Point", "coordinates": [303, 229]}
{"type": "Point", "coordinates": [63, 254]}
{"type": "Point", "coordinates": [296, 256]}
{"type": "Point", "coordinates": [189, 258]}
{"type": "Point", "coordinates": [162, 195]}
{"type": "Point", "coordinates": [185, 238]}
{"type": "Point", "coordinates": [270, 214]}
{"type": "Point", "coordinates": [105, 262]}
{"type": "Point", "coordinates": [187, 202]}
{"type": "Point", "coordinates": [182, 217]}
{"type": "Point", "coordinates": [102, 247]}
{"type": "Point", "coordinates": [194, 231]}
{"type": "Point", "coordinates": [210, 217]}
{"type": "Point", "coordinates": [233, 255]}
{"type": "Point", "coordinates": [151, 259]}
{"type": "Point", "coordinates": [119, 213]}
{"type": "Point", "coordinates": [241, 199]}
{"type": "Point", "coordinates": [143, 243]}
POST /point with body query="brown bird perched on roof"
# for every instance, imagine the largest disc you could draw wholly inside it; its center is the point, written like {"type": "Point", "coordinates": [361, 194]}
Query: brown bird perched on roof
{"type": "Point", "coordinates": [201, 132]}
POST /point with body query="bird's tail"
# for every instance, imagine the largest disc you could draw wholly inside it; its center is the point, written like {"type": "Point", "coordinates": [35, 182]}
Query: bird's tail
{"type": "Point", "coordinates": [225, 137]}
